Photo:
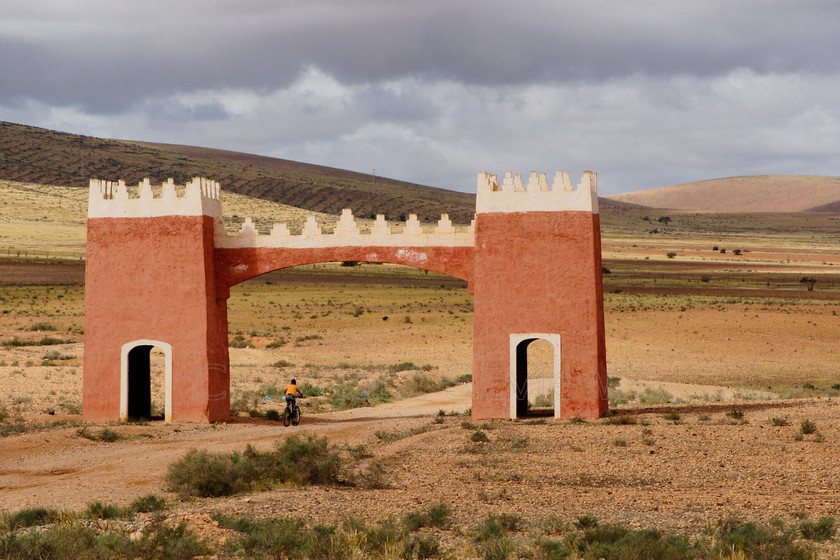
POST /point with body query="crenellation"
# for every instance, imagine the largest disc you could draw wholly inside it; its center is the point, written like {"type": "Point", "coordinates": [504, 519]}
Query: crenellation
{"type": "Point", "coordinates": [202, 197]}
{"type": "Point", "coordinates": [536, 195]}
{"type": "Point", "coordinates": [444, 225]}
{"type": "Point", "coordinates": [412, 225]}
{"type": "Point", "coordinates": [280, 230]}
{"type": "Point", "coordinates": [311, 227]}
{"type": "Point", "coordinates": [248, 230]}
{"type": "Point", "coordinates": [380, 226]}
{"type": "Point", "coordinates": [346, 224]}
{"type": "Point", "coordinates": [348, 234]}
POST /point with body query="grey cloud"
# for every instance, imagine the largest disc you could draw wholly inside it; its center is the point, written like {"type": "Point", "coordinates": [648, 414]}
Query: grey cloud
{"type": "Point", "coordinates": [104, 57]}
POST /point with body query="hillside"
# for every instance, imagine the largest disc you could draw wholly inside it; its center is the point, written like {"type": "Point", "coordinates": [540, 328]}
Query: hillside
{"type": "Point", "coordinates": [755, 193]}
{"type": "Point", "coordinates": [35, 155]}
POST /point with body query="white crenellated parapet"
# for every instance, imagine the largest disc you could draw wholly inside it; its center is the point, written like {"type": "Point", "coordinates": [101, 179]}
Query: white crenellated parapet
{"type": "Point", "coordinates": [202, 197]}
{"type": "Point", "coordinates": [347, 234]}
{"type": "Point", "coordinates": [536, 196]}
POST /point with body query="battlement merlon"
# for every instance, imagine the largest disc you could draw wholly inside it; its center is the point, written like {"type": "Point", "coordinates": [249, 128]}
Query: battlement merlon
{"type": "Point", "coordinates": [201, 197]}
{"type": "Point", "coordinates": [537, 195]}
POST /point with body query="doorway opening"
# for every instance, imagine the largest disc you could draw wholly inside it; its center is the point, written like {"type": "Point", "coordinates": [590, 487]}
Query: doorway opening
{"type": "Point", "coordinates": [534, 374]}
{"type": "Point", "coordinates": [146, 381]}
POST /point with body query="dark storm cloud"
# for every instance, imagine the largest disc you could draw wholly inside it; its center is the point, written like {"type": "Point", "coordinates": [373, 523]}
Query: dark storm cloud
{"type": "Point", "coordinates": [105, 56]}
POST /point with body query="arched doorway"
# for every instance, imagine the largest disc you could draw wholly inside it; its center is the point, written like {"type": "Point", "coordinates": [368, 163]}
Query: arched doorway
{"type": "Point", "coordinates": [521, 360]}
{"type": "Point", "coordinates": [139, 360]}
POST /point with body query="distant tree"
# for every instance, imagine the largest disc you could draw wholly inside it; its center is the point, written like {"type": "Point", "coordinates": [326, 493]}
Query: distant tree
{"type": "Point", "coordinates": [671, 255]}
{"type": "Point", "coordinates": [809, 282]}
{"type": "Point", "coordinates": [646, 219]}
{"type": "Point", "coordinates": [664, 219]}
{"type": "Point", "coordinates": [736, 252]}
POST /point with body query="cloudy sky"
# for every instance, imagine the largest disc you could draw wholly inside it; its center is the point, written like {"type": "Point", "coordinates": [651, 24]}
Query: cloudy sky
{"type": "Point", "coordinates": [645, 92]}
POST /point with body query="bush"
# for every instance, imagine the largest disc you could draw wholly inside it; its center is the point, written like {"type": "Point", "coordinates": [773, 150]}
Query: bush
{"type": "Point", "coordinates": [479, 436]}
{"type": "Point", "coordinates": [671, 254]}
{"type": "Point", "coordinates": [776, 421]}
{"type": "Point", "coordinates": [295, 460]}
{"type": "Point", "coordinates": [344, 396]}
{"type": "Point", "coordinates": [273, 414]}
{"type": "Point", "coordinates": [821, 530]}
{"type": "Point", "coordinates": [239, 342]}
{"type": "Point", "coordinates": [436, 516]}
{"type": "Point", "coordinates": [29, 517]}
{"type": "Point", "coordinates": [736, 414]}
{"type": "Point", "coordinates": [421, 547]}
{"type": "Point", "coordinates": [281, 364]}
{"type": "Point", "coordinates": [172, 543]}
{"type": "Point", "coordinates": [756, 541]}
{"type": "Point", "coordinates": [42, 326]}
{"type": "Point", "coordinates": [807, 427]}
{"type": "Point", "coordinates": [98, 510]}
{"type": "Point", "coordinates": [148, 504]}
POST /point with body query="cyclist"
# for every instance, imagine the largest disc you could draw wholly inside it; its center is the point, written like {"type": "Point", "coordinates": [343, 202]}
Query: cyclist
{"type": "Point", "coordinates": [292, 391]}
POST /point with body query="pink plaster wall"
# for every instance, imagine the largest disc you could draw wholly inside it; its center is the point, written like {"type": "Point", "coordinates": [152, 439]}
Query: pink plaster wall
{"type": "Point", "coordinates": [539, 272]}
{"type": "Point", "coordinates": [153, 278]}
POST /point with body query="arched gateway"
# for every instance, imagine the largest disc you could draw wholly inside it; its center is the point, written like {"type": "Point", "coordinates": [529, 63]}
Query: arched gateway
{"type": "Point", "coordinates": [161, 268]}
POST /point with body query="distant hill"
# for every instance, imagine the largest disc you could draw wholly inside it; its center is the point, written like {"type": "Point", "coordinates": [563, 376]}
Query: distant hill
{"type": "Point", "coordinates": [35, 155]}
{"type": "Point", "coordinates": [754, 193]}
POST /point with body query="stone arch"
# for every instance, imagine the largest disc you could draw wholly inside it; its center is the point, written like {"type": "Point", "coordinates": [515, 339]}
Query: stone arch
{"type": "Point", "coordinates": [519, 371]}
{"type": "Point", "coordinates": [237, 265]}
{"type": "Point", "coordinates": [134, 375]}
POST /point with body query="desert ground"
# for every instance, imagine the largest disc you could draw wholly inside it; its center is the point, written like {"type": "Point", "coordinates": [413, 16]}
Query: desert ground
{"type": "Point", "coordinates": [717, 360]}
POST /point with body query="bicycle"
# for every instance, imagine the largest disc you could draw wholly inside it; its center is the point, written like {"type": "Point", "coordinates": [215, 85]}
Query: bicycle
{"type": "Point", "coordinates": [291, 415]}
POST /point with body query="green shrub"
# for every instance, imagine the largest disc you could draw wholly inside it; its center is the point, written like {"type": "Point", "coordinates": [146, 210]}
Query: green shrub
{"type": "Point", "coordinates": [494, 526]}
{"type": "Point", "coordinates": [239, 342]}
{"type": "Point", "coordinates": [98, 510]}
{"type": "Point", "coordinates": [497, 549]}
{"type": "Point", "coordinates": [671, 254]}
{"type": "Point", "coordinates": [776, 421]}
{"type": "Point", "coordinates": [479, 436]}
{"type": "Point", "coordinates": [620, 543]}
{"type": "Point", "coordinates": [622, 420]}
{"type": "Point", "coordinates": [345, 396]}
{"type": "Point", "coordinates": [273, 414]}
{"type": "Point", "coordinates": [281, 364]}
{"type": "Point", "coordinates": [42, 326]}
{"type": "Point", "coordinates": [171, 543]}
{"type": "Point", "coordinates": [821, 530]}
{"type": "Point", "coordinates": [736, 414]}
{"type": "Point", "coordinates": [757, 541]}
{"type": "Point", "coordinates": [421, 546]}
{"type": "Point", "coordinates": [586, 522]}
{"type": "Point", "coordinates": [276, 343]}
{"type": "Point", "coordinates": [807, 427]}
{"type": "Point", "coordinates": [29, 517]}
{"type": "Point", "coordinates": [105, 434]}
{"type": "Point", "coordinates": [436, 516]}
{"type": "Point", "coordinates": [148, 503]}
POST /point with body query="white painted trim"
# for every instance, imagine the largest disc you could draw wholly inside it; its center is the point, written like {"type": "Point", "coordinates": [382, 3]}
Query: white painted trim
{"type": "Point", "coordinates": [515, 340]}
{"type": "Point", "coordinates": [107, 199]}
{"type": "Point", "coordinates": [536, 196]}
{"type": "Point", "coordinates": [345, 240]}
{"type": "Point", "coordinates": [167, 352]}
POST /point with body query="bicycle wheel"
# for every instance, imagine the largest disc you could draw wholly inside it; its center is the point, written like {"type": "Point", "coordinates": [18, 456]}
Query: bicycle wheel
{"type": "Point", "coordinates": [296, 417]}
{"type": "Point", "coordinates": [287, 417]}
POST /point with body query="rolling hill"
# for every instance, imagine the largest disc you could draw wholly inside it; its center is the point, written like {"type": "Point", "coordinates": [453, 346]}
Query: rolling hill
{"type": "Point", "coordinates": [754, 193]}
{"type": "Point", "coordinates": [35, 155]}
